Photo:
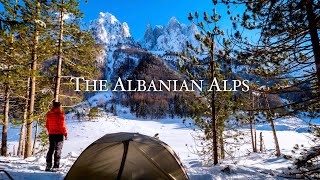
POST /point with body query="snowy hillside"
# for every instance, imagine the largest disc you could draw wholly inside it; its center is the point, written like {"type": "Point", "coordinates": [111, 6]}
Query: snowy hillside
{"type": "Point", "coordinates": [244, 165]}
{"type": "Point", "coordinates": [169, 38]}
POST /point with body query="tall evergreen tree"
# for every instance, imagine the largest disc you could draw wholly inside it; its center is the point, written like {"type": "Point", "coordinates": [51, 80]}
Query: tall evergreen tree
{"type": "Point", "coordinates": [76, 49]}
{"type": "Point", "coordinates": [8, 63]}
{"type": "Point", "coordinates": [215, 105]}
{"type": "Point", "coordinates": [34, 10]}
{"type": "Point", "coordinates": [34, 15]}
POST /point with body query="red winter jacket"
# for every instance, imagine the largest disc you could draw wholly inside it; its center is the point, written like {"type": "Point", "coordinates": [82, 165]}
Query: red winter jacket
{"type": "Point", "coordinates": [55, 122]}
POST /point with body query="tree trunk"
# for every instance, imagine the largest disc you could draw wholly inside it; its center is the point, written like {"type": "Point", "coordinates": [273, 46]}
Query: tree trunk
{"type": "Point", "coordinates": [59, 63]}
{"type": "Point", "coordinates": [5, 125]}
{"type": "Point", "coordinates": [28, 148]}
{"type": "Point", "coordinates": [213, 108]}
{"type": "Point", "coordinates": [254, 125]}
{"type": "Point", "coordinates": [14, 150]}
{"type": "Point", "coordinates": [255, 135]}
{"type": "Point", "coordinates": [23, 125]}
{"type": "Point", "coordinates": [221, 142]}
{"type": "Point", "coordinates": [21, 138]}
{"type": "Point", "coordinates": [252, 137]}
{"type": "Point", "coordinates": [24, 146]}
{"type": "Point", "coordinates": [261, 142]}
{"type": "Point", "coordinates": [274, 132]}
{"type": "Point", "coordinates": [35, 138]}
{"type": "Point", "coordinates": [278, 153]}
{"type": "Point", "coordinates": [313, 31]}
{"type": "Point", "coordinates": [252, 132]}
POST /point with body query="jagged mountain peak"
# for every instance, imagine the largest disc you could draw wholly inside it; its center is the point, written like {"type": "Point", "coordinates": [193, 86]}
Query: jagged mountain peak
{"type": "Point", "coordinates": [171, 37]}
{"type": "Point", "coordinates": [193, 27]}
{"type": "Point", "coordinates": [126, 30]}
{"type": "Point", "coordinates": [148, 30]}
{"type": "Point", "coordinates": [173, 21]}
{"type": "Point", "coordinates": [159, 27]}
{"type": "Point", "coordinates": [149, 26]}
{"type": "Point", "coordinates": [173, 25]}
{"type": "Point", "coordinates": [108, 30]}
{"type": "Point", "coordinates": [107, 18]}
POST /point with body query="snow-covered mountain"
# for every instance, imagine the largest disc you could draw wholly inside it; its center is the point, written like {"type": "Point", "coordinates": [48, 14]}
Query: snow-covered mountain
{"type": "Point", "coordinates": [122, 53]}
{"type": "Point", "coordinates": [115, 37]}
{"type": "Point", "coordinates": [169, 38]}
{"type": "Point", "coordinates": [109, 31]}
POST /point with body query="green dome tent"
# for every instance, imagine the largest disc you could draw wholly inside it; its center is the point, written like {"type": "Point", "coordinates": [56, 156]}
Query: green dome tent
{"type": "Point", "coordinates": [127, 156]}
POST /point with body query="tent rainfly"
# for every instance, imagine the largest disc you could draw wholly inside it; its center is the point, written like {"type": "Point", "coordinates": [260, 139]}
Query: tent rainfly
{"type": "Point", "coordinates": [128, 156]}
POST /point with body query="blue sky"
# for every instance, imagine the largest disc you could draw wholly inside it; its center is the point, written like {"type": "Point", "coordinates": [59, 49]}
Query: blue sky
{"type": "Point", "coordinates": [138, 13]}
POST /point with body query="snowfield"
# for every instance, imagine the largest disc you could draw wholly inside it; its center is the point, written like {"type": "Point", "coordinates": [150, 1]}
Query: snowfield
{"type": "Point", "coordinates": [244, 165]}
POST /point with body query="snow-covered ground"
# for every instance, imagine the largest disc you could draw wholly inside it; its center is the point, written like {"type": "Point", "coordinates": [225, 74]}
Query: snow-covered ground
{"type": "Point", "coordinates": [244, 165]}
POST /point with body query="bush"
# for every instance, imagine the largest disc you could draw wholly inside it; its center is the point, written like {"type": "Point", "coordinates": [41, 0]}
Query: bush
{"type": "Point", "coordinates": [94, 113]}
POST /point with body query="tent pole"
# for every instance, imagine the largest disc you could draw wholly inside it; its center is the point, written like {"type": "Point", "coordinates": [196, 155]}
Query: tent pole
{"type": "Point", "coordinates": [124, 157]}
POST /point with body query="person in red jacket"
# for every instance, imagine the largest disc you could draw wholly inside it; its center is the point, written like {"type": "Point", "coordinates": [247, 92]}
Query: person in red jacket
{"type": "Point", "coordinates": [56, 127]}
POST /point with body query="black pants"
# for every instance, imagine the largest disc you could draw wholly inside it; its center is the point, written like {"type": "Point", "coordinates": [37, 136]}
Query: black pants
{"type": "Point", "coordinates": [55, 146]}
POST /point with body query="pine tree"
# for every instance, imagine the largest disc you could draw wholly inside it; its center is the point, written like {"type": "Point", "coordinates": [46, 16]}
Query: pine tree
{"type": "Point", "coordinates": [27, 62]}
{"type": "Point", "coordinates": [215, 106]}
{"type": "Point", "coordinates": [94, 112]}
{"type": "Point", "coordinates": [76, 50]}
{"type": "Point", "coordinates": [60, 51]}
{"type": "Point", "coordinates": [288, 43]}
{"type": "Point", "coordinates": [34, 15]}
{"type": "Point", "coordinates": [252, 123]}
{"type": "Point", "coordinates": [9, 60]}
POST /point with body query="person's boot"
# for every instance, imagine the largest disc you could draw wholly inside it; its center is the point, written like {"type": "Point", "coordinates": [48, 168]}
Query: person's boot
{"type": "Point", "coordinates": [55, 167]}
{"type": "Point", "coordinates": [48, 167]}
